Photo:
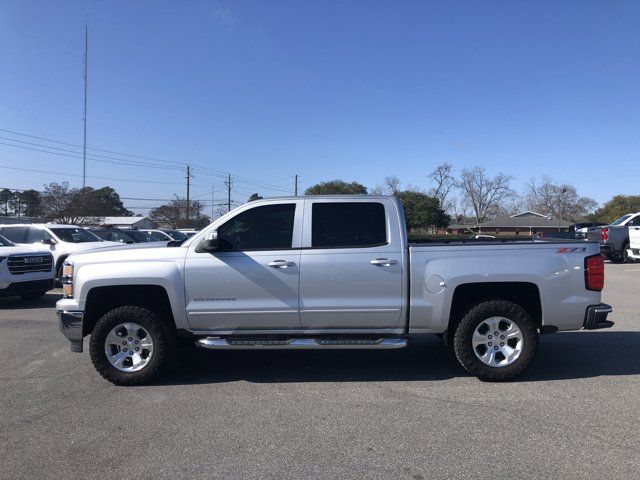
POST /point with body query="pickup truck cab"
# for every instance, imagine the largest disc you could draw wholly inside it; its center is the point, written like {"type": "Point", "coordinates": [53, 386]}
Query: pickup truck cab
{"type": "Point", "coordinates": [26, 272]}
{"type": "Point", "coordinates": [327, 272]}
{"type": "Point", "coordinates": [60, 240]}
{"type": "Point", "coordinates": [614, 238]}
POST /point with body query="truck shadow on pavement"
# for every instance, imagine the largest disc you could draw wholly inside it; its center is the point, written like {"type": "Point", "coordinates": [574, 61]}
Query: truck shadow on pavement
{"type": "Point", "coordinates": [569, 355]}
{"type": "Point", "coordinates": [16, 303]}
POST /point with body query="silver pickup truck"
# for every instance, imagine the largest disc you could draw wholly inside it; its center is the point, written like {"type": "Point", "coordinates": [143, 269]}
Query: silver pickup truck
{"type": "Point", "coordinates": [327, 272]}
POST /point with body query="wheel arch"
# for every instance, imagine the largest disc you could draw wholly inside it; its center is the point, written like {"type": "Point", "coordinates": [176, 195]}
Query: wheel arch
{"type": "Point", "coordinates": [465, 296]}
{"type": "Point", "coordinates": [101, 300]}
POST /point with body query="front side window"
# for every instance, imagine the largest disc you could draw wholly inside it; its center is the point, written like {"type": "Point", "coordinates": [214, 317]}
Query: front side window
{"type": "Point", "coordinates": [15, 234]}
{"type": "Point", "coordinates": [75, 235]}
{"type": "Point", "coordinates": [343, 225]}
{"type": "Point", "coordinates": [259, 228]}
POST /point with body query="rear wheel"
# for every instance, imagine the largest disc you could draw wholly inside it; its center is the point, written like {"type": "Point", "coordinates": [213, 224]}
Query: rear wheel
{"type": "Point", "coordinates": [496, 340]}
{"type": "Point", "coordinates": [625, 254]}
{"type": "Point", "coordinates": [130, 345]}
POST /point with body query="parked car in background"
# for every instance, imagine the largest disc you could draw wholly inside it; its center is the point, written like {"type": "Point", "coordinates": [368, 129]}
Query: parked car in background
{"type": "Point", "coordinates": [189, 232]}
{"type": "Point", "coordinates": [172, 234]}
{"type": "Point", "coordinates": [581, 228]}
{"type": "Point", "coordinates": [122, 235]}
{"type": "Point", "coordinates": [25, 271]}
{"type": "Point", "coordinates": [159, 235]}
{"type": "Point", "coordinates": [634, 243]}
{"type": "Point", "coordinates": [614, 238]}
{"type": "Point", "coordinates": [61, 240]}
{"type": "Point", "coordinates": [327, 272]}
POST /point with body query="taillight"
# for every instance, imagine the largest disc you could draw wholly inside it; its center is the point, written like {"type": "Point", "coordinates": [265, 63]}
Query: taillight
{"type": "Point", "coordinates": [594, 273]}
{"type": "Point", "coordinates": [604, 233]}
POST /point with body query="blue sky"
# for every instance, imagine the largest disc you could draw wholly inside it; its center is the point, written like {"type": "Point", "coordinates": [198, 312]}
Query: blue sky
{"type": "Point", "coordinates": [356, 90]}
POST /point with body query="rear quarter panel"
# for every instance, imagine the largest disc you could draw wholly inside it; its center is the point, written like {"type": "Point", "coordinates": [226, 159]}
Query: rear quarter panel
{"type": "Point", "coordinates": [557, 270]}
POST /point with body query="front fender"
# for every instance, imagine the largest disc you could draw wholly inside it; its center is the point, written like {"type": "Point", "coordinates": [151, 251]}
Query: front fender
{"type": "Point", "coordinates": [167, 274]}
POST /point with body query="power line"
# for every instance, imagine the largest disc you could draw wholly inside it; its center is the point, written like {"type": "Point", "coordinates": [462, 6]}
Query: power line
{"type": "Point", "coordinates": [203, 170]}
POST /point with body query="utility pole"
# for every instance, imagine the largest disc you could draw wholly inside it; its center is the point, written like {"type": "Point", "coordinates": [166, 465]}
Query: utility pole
{"type": "Point", "coordinates": [84, 117]}
{"type": "Point", "coordinates": [188, 187]}
{"type": "Point", "coordinates": [229, 193]}
{"type": "Point", "coordinates": [212, 207]}
{"type": "Point", "coordinates": [295, 190]}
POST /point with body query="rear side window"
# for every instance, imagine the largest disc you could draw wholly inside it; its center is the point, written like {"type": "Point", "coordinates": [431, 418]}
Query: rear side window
{"type": "Point", "coordinates": [15, 234]}
{"type": "Point", "coordinates": [260, 228]}
{"type": "Point", "coordinates": [357, 224]}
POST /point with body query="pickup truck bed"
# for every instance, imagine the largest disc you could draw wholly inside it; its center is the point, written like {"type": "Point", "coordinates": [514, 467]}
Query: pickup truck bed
{"type": "Point", "coordinates": [328, 272]}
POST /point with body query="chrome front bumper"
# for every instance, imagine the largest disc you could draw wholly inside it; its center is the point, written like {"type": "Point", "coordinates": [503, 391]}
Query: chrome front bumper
{"type": "Point", "coordinates": [70, 323]}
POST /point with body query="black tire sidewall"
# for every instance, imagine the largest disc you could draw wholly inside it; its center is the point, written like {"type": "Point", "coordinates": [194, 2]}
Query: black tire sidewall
{"type": "Point", "coordinates": [474, 317]}
{"type": "Point", "coordinates": [152, 323]}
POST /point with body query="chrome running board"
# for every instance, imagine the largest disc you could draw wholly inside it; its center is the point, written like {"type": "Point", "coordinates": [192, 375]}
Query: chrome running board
{"type": "Point", "coordinates": [226, 343]}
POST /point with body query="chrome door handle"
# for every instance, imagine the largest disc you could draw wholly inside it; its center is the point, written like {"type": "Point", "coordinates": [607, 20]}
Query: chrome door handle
{"type": "Point", "coordinates": [281, 264]}
{"type": "Point", "coordinates": [383, 262]}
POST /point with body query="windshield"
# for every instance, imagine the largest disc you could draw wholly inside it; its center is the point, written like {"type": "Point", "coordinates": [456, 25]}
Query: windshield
{"type": "Point", "coordinates": [4, 242]}
{"type": "Point", "coordinates": [141, 237]}
{"type": "Point", "coordinates": [621, 219]}
{"type": "Point", "coordinates": [75, 235]}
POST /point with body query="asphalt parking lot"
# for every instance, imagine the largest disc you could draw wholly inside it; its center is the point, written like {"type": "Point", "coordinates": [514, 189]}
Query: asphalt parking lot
{"type": "Point", "coordinates": [412, 413]}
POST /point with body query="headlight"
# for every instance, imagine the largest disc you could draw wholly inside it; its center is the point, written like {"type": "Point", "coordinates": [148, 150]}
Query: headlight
{"type": "Point", "coordinates": [67, 270]}
{"type": "Point", "coordinates": [67, 280]}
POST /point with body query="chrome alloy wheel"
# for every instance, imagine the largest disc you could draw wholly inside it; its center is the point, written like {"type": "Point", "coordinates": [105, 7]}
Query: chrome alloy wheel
{"type": "Point", "coordinates": [128, 347]}
{"type": "Point", "coordinates": [497, 342]}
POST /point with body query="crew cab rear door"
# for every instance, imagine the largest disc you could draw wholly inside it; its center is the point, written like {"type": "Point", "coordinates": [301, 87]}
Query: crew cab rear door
{"type": "Point", "coordinates": [351, 274]}
{"type": "Point", "coordinates": [251, 282]}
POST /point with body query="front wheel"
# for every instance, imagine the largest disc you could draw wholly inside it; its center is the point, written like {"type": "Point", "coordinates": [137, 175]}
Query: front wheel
{"type": "Point", "coordinates": [130, 345]}
{"type": "Point", "coordinates": [496, 340]}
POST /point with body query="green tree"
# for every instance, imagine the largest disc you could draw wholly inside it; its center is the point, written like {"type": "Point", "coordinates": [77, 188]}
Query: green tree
{"type": "Point", "coordinates": [336, 187]}
{"type": "Point", "coordinates": [422, 211]}
{"type": "Point", "coordinates": [616, 207]}
{"type": "Point", "coordinates": [32, 202]}
{"type": "Point", "coordinates": [6, 196]}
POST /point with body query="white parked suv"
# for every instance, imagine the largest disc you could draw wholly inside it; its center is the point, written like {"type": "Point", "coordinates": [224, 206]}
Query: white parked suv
{"type": "Point", "coordinates": [60, 240]}
{"type": "Point", "coordinates": [24, 271]}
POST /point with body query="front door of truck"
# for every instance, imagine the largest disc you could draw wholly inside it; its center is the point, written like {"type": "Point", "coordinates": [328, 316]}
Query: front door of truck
{"type": "Point", "coordinates": [251, 282]}
{"type": "Point", "coordinates": [351, 267]}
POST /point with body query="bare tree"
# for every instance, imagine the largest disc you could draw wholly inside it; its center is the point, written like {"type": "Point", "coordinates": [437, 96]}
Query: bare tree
{"type": "Point", "coordinates": [557, 200]}
{"type": "Point", "coordinates": [393, 184]}
{"type": "Point", "coordinates": [485, 195]}
{"type": "Point", "coordinates": [443, 183]}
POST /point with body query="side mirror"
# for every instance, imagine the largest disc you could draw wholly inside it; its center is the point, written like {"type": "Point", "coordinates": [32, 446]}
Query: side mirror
{"type": "Point", "coordinates": [209, 243]}
{"type": "Point", "coordinates": [48, 241]}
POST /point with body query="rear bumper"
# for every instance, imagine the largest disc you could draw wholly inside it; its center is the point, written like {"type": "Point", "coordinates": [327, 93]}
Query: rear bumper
{"type": "Point", "coordinates": [596, 317]}
{"type": "Point", "coordinates": [17, 288]}
{"type": "Point", "coordinates": [70, 323]}
{"type": "Point", "coordinates": [606, 248]}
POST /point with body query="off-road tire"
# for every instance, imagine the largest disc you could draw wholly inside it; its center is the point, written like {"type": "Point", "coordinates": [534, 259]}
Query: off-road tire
{"type": "Point", "coordinates": [33, 295]}
{"type": "Point", "coordinates": [153, 323]}
{"type": "Point", "coordinates": [475, 316]}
